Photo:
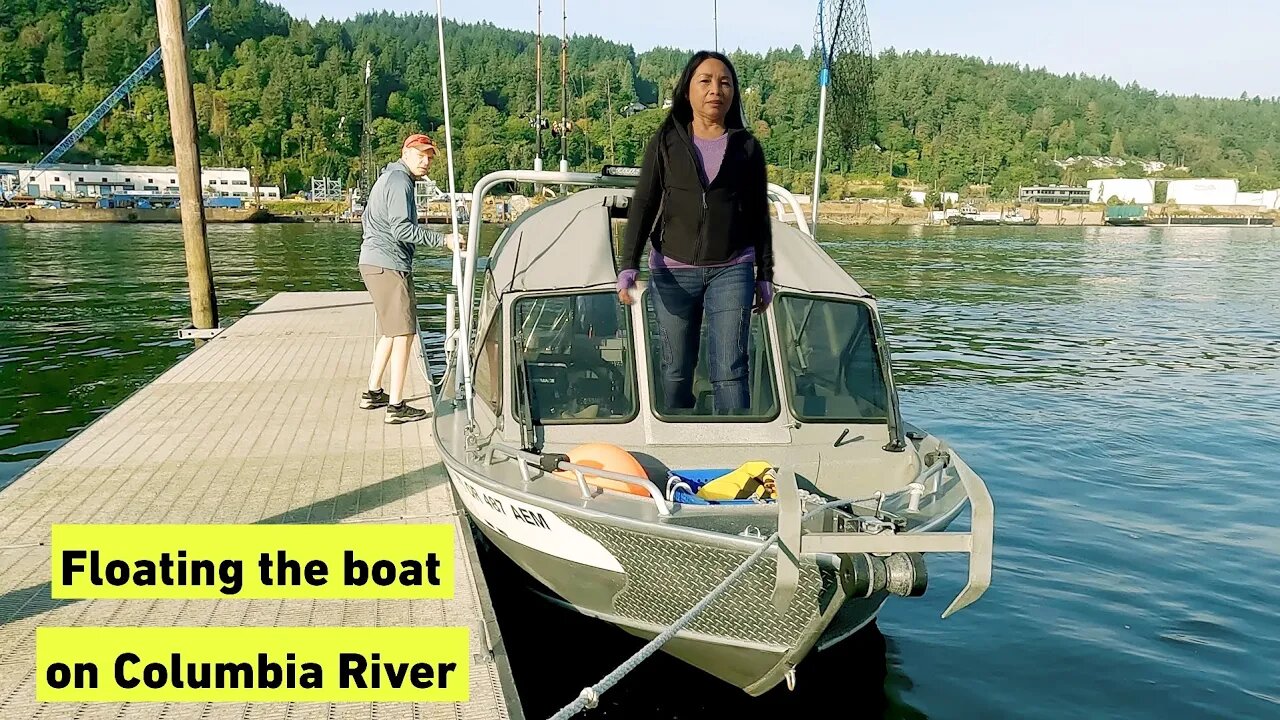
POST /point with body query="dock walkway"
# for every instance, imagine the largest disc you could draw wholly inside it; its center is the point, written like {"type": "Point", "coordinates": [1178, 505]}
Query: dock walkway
{"type": "Point", "coordinates": [259, 426]}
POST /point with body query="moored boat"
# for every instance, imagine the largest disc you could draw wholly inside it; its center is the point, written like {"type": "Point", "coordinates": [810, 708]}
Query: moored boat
{"type": "Point", "coordinates": [551, 424]}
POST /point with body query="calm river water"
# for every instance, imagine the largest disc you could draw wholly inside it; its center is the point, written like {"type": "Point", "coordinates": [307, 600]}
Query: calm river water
{"type": "Point", "coordinates": [1118, 389]}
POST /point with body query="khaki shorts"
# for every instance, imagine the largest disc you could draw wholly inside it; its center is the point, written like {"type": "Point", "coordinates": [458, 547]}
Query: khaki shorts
{"type": "Point", "coordinates": [393, 299]}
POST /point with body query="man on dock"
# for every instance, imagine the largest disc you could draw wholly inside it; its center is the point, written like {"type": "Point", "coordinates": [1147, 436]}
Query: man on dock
{"type": "Point", "coordinates": [391, 234]}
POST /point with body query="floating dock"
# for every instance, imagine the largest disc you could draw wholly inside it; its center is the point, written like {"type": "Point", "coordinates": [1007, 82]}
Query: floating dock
{"type": "Point", "coordinates": [261, 425]}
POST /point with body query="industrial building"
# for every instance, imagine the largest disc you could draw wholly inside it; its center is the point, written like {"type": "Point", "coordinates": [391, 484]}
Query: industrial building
{"type": "Point", "coordinates": [1196, 192]}
{"type": "Point", "coordinates": [1054, 195]}
{"type": "Point", "coordinates": [1219, 192]}
{"type": "Point", "coordinates": [1126, 190]}
{"type": "Point", "coordinates": [1203, 191]}
{"type": "Point", "coordinates": [93, 181]}
{"type": "Point", "coordinates": [919, 196]}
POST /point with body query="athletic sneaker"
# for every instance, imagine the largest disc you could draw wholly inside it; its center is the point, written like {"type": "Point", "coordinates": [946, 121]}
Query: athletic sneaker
{"type": "Point", "coordinates": [403, 413]}
{"type": "Point", "coordinates": [371, 399]}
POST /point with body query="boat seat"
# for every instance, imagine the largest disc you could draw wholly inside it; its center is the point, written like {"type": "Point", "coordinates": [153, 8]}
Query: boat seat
{"type": "Point", "coordinates": [586, 395]}
{"type": "Point", "coordinates": [578, 383]}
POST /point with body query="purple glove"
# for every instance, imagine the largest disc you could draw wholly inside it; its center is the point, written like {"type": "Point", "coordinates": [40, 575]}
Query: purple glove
{"type": "Point", "coordinates": [627, 279]}
{"type": "Point", "coordinates": [765, 289]}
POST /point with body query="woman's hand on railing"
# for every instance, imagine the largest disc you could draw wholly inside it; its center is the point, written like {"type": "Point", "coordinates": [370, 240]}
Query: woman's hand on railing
{"type": "Point", "coordinates": [764, 296]}
{"type": "Point", "coordinates": [626, 282]}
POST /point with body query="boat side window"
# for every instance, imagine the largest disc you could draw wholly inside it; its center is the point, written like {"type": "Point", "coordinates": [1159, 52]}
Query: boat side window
{"type": "Point", "coordinates": [577, 356]}
{"type": "Point", "coordinates": [762, 392]}
{"type": "Point", "coordinates": [488, 372]}
{"type": "Point", "coordinates": [833, 371]}
{"type": "Point", "coordinates": [488, 296]}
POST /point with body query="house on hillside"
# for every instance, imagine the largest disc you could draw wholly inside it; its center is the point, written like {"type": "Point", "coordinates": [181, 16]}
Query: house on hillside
{"type": "Point", "coordinates": [633, 108]}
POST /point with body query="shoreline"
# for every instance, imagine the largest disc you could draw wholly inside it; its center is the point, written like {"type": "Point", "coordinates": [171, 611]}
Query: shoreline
{"type": "Point", "coordinates": [32, 215]}
{"type": "Point", "coordinates": [829, 213]}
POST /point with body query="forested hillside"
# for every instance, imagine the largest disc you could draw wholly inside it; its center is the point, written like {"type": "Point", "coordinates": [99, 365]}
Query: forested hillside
{"type": "Point", "coordinates": [287, 98]}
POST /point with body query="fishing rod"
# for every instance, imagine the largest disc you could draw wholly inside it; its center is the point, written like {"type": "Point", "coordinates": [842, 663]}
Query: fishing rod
{"type": "Point", "coordinates": [464, 298]}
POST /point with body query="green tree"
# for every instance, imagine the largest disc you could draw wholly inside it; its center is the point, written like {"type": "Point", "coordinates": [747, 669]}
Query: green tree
{"type": "Point", "coordinates": [1117, 144]}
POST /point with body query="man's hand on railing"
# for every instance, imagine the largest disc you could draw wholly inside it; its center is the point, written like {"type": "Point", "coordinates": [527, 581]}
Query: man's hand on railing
{"type": "Point", "coordinates": [458, 240]}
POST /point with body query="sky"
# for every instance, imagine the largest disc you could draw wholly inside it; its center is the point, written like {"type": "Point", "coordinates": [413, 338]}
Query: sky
{"type": "Point", "coordinates": [1186, 47]}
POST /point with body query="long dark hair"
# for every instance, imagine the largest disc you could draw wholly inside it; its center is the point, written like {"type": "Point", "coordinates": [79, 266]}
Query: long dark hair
{"type": "Point", "coordinates": [682, 109]}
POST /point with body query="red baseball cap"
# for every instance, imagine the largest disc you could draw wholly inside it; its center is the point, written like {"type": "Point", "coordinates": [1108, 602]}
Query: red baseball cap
{"type": "Point", "coordinates": [419, 141]}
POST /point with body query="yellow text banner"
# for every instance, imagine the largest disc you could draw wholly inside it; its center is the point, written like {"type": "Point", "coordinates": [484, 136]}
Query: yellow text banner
{"type": "Point", "coordinates": [269, 664]}
{"type": "Point", "coordinates": [253, 561]}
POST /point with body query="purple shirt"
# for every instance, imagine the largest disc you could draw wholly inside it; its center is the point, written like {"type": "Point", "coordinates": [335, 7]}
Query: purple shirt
{"type": "Point", "coordinates": [710, 155]}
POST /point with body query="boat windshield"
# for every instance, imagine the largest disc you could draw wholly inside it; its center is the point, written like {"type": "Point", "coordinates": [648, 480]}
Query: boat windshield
{"type": "Point", "coordinates": [833, 371]}
{"type": "Point", "coordinates": [578, 355]}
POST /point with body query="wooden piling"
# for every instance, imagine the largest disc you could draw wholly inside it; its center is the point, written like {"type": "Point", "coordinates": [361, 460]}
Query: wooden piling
{"type": "Point", "coordinates": [182, 121]}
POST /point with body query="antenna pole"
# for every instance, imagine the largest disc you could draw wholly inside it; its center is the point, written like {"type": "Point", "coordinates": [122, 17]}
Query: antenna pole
{"type": "Point", "coordinates": [463, 337]}
{"type": "Point", "coordinates": [564, 87]}
{"type": "Point", "coordinates": [537, 159]}
{"type": "Point", "coordinates": [824, 79]}
{"type": "Point", "coordinates": [366, 149]}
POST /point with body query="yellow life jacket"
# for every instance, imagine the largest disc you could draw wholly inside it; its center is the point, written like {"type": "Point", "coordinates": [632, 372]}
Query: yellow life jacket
{"type": "Point", "coordinates": [748, 481]}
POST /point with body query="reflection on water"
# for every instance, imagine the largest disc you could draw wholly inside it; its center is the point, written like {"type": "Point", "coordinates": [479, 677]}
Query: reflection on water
{"type": "Point", "coordinates": [1118, 389]}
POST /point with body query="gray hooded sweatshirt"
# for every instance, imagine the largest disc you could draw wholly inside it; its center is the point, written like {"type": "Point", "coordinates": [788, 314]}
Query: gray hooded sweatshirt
{"type": "Point", "coordinates": [391, 229]}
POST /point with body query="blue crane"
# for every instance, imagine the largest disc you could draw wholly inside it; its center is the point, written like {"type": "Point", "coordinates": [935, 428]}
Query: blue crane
{"type": "Point", "coordinates": [105, 106]}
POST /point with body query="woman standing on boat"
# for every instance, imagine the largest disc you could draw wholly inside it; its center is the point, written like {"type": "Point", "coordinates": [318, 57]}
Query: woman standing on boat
{"type": "Point", "coordinates": [702, 201]}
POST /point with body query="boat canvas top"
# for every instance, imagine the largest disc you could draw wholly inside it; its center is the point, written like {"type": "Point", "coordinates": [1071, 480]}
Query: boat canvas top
{"type": "Point", "coordinates": [562, 247]}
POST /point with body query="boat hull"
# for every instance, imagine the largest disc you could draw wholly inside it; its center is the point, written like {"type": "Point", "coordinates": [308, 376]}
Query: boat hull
{"type": "Point", "coordinates": [643, 583]}
{"type": "Point", "coordinates": [956, 220]}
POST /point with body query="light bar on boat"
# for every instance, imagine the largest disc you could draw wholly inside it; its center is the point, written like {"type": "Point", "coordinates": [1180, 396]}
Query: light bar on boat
{"type": "Point", "coordinates": [620, 171]}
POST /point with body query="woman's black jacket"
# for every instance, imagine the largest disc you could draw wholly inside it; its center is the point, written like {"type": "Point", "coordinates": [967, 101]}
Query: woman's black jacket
{"type": "Point", "coordinates": [697, 224]}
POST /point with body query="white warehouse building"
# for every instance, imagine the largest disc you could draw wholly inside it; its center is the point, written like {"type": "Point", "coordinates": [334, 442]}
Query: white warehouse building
{"type": "Point", "coordinates": [919, 196]}
{"type": "Point", "coordinates": [1139, 192]}
{"type": "Point", "coordinates": [1215, 191]}
{"type": "Point", "coordinates": [1212, 192]}
{"type": "Point", "coordinates": [70, 180]}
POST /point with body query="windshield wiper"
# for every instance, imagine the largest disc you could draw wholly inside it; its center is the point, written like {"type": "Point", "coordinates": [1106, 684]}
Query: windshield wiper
{"type": "Point", "coordinates": [528, 439]}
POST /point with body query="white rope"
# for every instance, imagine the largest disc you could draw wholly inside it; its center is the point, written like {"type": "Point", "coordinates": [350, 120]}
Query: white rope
{"type": "Point", "coordinates": [590, 696]}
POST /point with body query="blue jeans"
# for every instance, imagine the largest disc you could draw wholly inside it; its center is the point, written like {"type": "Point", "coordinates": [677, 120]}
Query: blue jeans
{"type": "Point", "coordinates": [724, 295]}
